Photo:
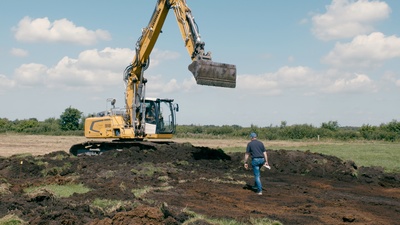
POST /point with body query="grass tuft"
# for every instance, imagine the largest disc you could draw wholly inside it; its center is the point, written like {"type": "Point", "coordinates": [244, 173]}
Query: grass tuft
{"type": "Point", "coordinates": [140, 192]}
{"type": "Point", "coordinates": [60, 191]}
{"type": "Point", "coordinates": [12, 219]}
{"type": "Point", "coordinates": [201, 219]}
{"type": "Point", "coordinates": [108, 206]}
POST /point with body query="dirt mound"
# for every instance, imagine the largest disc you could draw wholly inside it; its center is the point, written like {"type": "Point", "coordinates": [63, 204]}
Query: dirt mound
{"type": "Point", "coordinates": [154, 184]}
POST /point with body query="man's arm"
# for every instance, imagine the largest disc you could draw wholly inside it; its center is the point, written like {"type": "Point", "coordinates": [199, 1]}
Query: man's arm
{"type": "Point", "coordinates": [266, 158]}
{"type": "Point", "coordinates": [246, 157]}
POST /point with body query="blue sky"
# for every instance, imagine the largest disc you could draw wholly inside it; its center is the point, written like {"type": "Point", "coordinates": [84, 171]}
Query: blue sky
{"type": "Point", "coordinates": [303, 62]}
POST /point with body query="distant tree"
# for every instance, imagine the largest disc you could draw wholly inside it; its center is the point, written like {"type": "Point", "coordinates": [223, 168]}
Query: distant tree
{"type": "Point", "coordinates": [69, 119]}
{"type": "Point", "coordinates": [331, 125]}
{"type": "Point", "coordinates": [5, 124]}
{"type": "Point", "coordinates": [392, 126]}
{"type": "Point", "coordinates": [25, 125]}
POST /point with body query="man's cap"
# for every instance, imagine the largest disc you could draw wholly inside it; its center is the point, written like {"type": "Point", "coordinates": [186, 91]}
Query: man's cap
{"type": "Point", "coordinates": [253, 135]}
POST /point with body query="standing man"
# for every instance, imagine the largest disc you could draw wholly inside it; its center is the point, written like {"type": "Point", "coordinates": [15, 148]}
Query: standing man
{"type": "Point", "coordinates": [259, 158]}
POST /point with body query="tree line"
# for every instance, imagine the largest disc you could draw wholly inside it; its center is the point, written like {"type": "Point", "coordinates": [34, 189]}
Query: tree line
{"type": "Point", "coordinates": [329, 130]}
{"type": "Point", "coordinates": [71, 122]}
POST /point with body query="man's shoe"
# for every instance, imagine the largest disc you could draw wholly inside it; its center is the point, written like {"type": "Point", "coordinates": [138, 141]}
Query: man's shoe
{"type": "Point", "coordinates": [259, 193]}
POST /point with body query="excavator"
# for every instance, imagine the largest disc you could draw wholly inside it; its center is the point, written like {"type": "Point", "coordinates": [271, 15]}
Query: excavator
{"type": "Point", "coordinates": [145, 118]}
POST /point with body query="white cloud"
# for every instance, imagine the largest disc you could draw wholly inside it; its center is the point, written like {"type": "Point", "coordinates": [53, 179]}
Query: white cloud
{"type": "Point", "coordinates": [31, 74]}
{"type": "Point", "coordinates": [109, 58]}
{"type": "Point", "coordinates": [398, 83]}
{"type": "Point", "coordinates": [159, 86]}
{"type": "Point", "coordinates": [158, 55]}
{"type": "Point", "coordinates": [358, 83]}
{"type": "Point", "coordinates": [265, 83]}
{"type": "Point", "coordinates": [92, 69]}
{"type": "Point", "coordinates": [189, 84]}
{"type": "Point", "coordinates": [305, 81]}
{"type": "Point", "coordinates": [5, 83]}
{"type": "Point", "coordinates": [349, 18]}
{"type": "Point", "coordinates": [296, 76]}
{"type": "Point", "coordinates": [63, 30]}
{"type": "Point", "coordinates": [280, 81]}
{"type": "Point", "coordinates": [19, 52]}
{"type": "Point", "coordinates": [365, 51]}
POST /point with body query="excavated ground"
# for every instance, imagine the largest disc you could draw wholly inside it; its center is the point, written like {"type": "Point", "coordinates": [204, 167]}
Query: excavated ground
{"type": "Point", "coordinates": [300, 188]}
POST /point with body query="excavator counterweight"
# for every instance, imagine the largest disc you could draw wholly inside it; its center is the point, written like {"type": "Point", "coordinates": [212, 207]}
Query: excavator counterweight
{"type": "Point", "coordinates": [207, 72]}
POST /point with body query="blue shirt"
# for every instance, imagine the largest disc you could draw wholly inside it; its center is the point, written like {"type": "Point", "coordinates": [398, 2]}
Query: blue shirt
{"type": "Point", "coordinates": [256, 149]}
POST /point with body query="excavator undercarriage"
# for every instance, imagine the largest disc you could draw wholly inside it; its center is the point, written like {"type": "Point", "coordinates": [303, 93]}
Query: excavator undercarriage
{"type": "Point", "coordinates": [98, 147]}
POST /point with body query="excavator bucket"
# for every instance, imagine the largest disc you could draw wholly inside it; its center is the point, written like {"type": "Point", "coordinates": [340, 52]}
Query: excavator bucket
{"type": "Point", "coordinates": [207, 72]}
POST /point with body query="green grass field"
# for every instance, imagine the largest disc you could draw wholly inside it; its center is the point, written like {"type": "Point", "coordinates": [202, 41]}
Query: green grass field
{"type": "Point", "coordinates": [383, 154]}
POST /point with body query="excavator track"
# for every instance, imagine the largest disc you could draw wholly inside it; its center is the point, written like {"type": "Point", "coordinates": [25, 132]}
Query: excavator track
{"type": "Point", "coordinates": [98, 147]}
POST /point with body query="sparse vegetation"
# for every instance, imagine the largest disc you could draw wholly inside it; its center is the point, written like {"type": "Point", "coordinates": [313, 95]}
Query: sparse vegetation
{"type": "Point", "coordinates": [4, 188]}
{"type": "Point", "coordinates": [140, 192]}
{"type": "Point", "coordinates": [108, 206]}
{"type": "Point", "coordinates": [60, 191]}
{"type": "Point", "coordinates": [146, 169]}
{"type": "Point", "coordinates": [55, 170]}
{"type": "Point", "coordinates": [12, 219]}
{"type": "Point", "coordinates": [201, 219]}
{"type": "Point", "coordinates": [224, 181]}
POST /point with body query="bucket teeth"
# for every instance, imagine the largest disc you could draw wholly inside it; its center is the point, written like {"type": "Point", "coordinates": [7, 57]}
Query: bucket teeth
{"type": "Point", "coordinates": [207, 72]}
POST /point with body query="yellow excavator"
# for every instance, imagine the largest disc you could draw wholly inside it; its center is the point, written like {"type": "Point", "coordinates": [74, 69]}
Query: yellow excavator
{"type": "Point", "coordinates": [152, 118]}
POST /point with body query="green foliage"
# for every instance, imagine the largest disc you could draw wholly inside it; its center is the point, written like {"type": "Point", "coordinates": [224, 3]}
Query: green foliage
{"type": "Point", "coordinates": [304, 131]}
{"type": "Point", "coordinates": [346, 135]}
{"type": "Point", "coordinates": [392, 126]}
{"type": "Point", "coordinates": [5, 125]}
{"type": "Point", "coordinates": [69, 119]}
{"type": "Point", "coordinates": [331, 125]}
{"type": "Point", "coordinates": [329, 130]}
{"type": "Point", "coordinates": [385, 132]}
{"type": "Point", "coordinates": [70, 123]}
{"type": "Point", "coordinates": [25, 125]}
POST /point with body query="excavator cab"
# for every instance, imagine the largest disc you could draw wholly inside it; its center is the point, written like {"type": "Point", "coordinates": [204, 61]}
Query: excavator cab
{"type": "Point", "coordinates": [159, 118]}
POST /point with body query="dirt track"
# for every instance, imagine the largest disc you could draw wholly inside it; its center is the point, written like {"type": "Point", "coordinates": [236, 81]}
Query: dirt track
{"type": "Point", "coordinates": [301, 188]}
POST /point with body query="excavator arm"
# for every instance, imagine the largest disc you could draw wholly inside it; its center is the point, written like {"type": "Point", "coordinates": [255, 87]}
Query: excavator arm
{"type": "Point", "coordinates": [205, 71]}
